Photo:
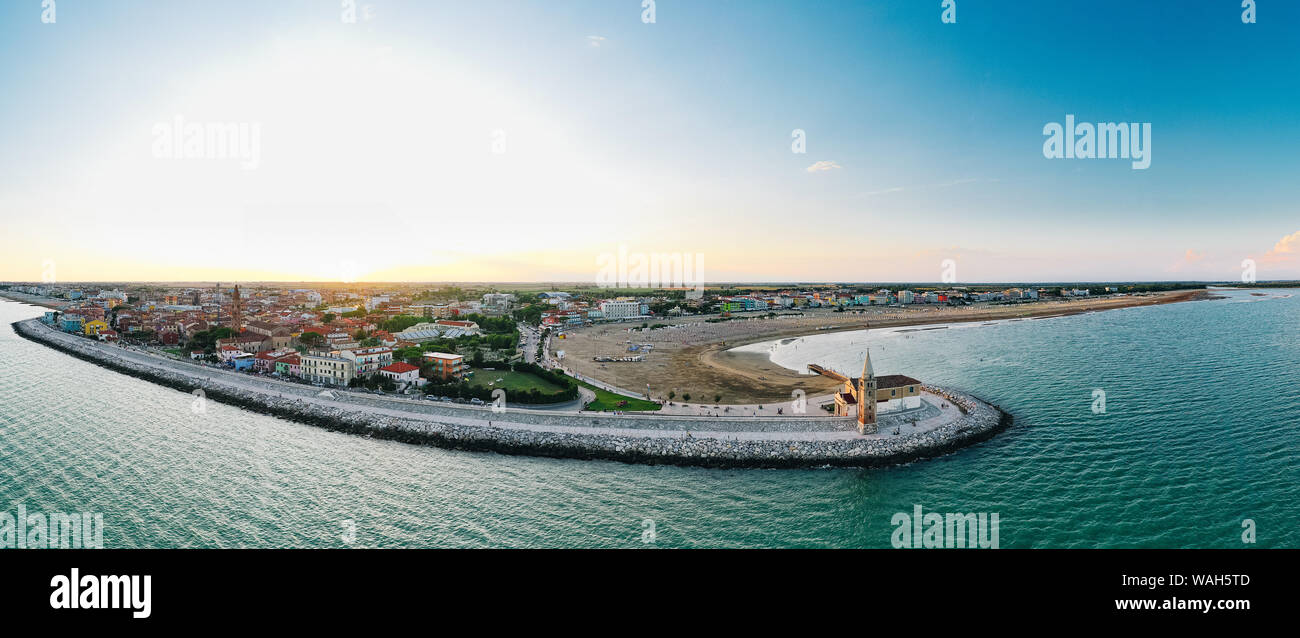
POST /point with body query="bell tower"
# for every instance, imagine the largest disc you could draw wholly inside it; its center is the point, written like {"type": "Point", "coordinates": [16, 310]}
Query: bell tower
{"type": "Point", "coordinates": [867, 397]}
{"type": "Point", "coordinates": [236, 314]}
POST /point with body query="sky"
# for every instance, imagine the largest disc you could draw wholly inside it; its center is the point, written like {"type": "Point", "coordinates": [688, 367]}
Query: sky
{"type": "Point", "coordinates": [524, 140]}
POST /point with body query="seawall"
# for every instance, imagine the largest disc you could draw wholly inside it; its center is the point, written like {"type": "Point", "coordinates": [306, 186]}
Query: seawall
{"type": "Point", "coordinates": [621, 441]}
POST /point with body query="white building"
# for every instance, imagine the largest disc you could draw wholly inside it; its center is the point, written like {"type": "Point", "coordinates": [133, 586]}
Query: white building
{"type": "Point", "coordinates": [402, 373]}
{"type": "Point", "coordinates": [327, 368]}
{"type": "Point", "coordinates": [620, 309]}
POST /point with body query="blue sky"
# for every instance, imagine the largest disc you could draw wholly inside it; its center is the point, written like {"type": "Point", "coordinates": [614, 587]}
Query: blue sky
{"type": "Point", "coordinates": [664, 137]}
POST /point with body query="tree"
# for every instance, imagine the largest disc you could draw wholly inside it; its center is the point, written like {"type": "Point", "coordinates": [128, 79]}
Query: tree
{"type": "Point", "coordinates": [329, 317]}
{"type": "Point", "coordinates": [311, 339]}
{"type": "Point", "coordinates": [717, 398]}
{"type": "Point", "coordinates": [686, 396]}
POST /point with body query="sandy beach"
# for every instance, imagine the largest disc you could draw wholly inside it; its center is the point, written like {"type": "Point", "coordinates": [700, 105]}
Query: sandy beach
{"type": "Point", "coordinates": [696, 357]}
{"type": "Point", "coordinates": [45, 302]}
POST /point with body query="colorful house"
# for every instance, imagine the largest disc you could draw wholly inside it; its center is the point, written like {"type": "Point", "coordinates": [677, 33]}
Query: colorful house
{"type": "Point", "coordinates": [93, 327]}
{"type": "Point", "coordinates": [243, 361]}
{"type": "Point", "coordinates": [446, 366]}
{"type": "Point", "coordinates": [73, 323]}
{"type": "Point", "coordinates": [290, 366]}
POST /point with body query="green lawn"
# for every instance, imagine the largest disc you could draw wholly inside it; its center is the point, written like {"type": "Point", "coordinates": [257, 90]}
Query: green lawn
{"type": "Point", "coordinates": [606, 400]}
{"type": "Point", "coordinates": [510, 380]}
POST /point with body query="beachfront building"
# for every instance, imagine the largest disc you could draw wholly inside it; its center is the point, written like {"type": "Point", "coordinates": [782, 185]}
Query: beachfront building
{"type": "Point", "coordinates": [327, 368]}
{"type": "Point", "coordinates": [94, 327]}
{"type": "Point", "coordinates": [243, 361]}
{"type": "Point", "coordinates": [402, 373]}
{"type": "Point", "coordinates": [290, 366]}
{"type": "Point", "coordinates": [73, 323]}
{"type": "Point", "coordinates": [368, 361]}
{"type": "Point", "coordinates": [266, 361]}
{"type": "Point", "coordinates": [446, 367]}
{"type": "Point", "coordinates": [620, 309]}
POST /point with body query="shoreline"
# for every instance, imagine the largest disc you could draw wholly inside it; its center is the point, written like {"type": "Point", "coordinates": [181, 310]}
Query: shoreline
{"type": "Point", "coordinates": [33, 300]}
{"type": "Point", "coordinates": [607, 438]}
{"type": "Point", "coordinates": [749, 377]}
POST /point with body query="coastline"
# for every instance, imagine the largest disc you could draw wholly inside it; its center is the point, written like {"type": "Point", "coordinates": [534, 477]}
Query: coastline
{"type": "Point", "coordinates": [33, 300]}
{"type": "Point", "coordinates": [747, 377]}
{"type": "Point", "coordinates": [522, 432]}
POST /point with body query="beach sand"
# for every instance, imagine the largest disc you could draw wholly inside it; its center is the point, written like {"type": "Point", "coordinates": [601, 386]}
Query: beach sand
{"type": "Point", "coordinates": [698, 359]}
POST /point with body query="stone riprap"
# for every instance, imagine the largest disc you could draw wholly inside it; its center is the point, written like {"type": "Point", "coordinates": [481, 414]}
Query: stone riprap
{"type": "Point", "coordinates": [773, 442]}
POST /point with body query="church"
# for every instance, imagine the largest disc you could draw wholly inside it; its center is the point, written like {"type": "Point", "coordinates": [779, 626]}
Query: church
{"type": "Point", "coordinates": [866, 392]}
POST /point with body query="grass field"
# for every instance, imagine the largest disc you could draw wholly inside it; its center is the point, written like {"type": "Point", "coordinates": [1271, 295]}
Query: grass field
{"type": "Point", "coordinates": [606, 400]}
{"type": "Point", "coordinates": [516, 381]}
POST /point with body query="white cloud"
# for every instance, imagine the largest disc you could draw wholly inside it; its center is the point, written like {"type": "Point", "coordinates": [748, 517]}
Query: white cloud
{"type": "Point", "coordinates": [1285, 249]}
{"type": "Point", "coordinates": [595, 40]}
{"type": "Point", "coordinates": [823, 165]}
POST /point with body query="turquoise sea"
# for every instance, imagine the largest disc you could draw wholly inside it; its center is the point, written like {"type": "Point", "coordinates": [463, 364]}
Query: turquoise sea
{"type": "Point", "coordinates": [1201, 431]}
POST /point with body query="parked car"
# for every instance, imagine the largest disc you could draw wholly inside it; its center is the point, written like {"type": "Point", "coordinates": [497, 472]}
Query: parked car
{"type": "Point", "coordinates": [476, 401]}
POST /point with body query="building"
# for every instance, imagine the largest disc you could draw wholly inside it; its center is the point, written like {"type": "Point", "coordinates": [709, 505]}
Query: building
{"type": "Point", "coordinates": [73, 323]}
{"type": "Point", "coordinates": [327, 368]}
{"type": "Point", "coordinates": [243, 361]}
{"type": "Point", "coordinates": [279, 336]}
{"type": "Point", "coordinates": [236, 313]}
{"type": "Point", "coordinates": [419, 333]}
{"type": "Point", "coordinates": [266, 361]}
{"type": "Point", "coordinates": [368, 361]}
{"type": "Point", "coordinates": [866, 392]}
{"type": "Point", "coordinates": [402, 373]}
{"type": "Point", "coordinates": [620, 309]}
{"type": "Point", "coordinates": [94, 327]}
{"type": "Point", "coordinates": [290, 366]}
{"type": "Point", "coordinates": [441, 329]}
{"type": "Point", "coordinates": [248, 342]}
{"type": "Point", "coordinates": [466, 327]}
{"type": "Point", "coordinates": [446, 367]}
